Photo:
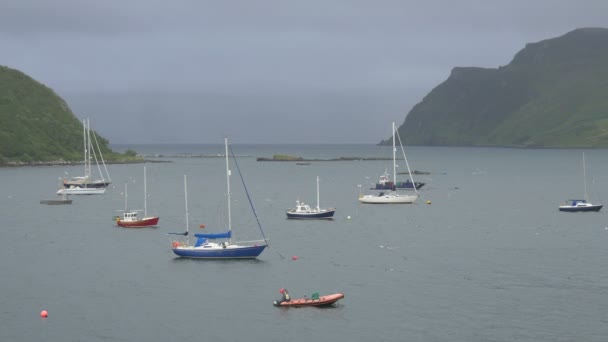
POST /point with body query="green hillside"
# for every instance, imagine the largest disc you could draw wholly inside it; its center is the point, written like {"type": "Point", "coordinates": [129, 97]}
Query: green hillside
{"type": "Point", "coordinates": [36, 125]}
{"type": "Point", "coordinates": [553, 94]}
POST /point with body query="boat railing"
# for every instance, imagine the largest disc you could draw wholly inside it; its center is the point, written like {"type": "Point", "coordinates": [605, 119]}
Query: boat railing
{"type": "Point", "coordinates": [248, 242]}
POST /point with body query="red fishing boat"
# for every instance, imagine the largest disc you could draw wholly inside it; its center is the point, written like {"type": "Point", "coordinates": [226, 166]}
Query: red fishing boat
{"type": "Point", "coordinates": [130, 218]}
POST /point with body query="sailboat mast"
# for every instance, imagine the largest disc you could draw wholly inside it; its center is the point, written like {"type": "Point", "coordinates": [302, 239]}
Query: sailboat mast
{"type": "Point", "coordinates": [187, 215]}
{"type": "Point", "coordinates": [89, 149]}
{"type": "Point", "coordinates": [84, 137]}
{"type": "Point", "coordinates": [394, 157]}
{"type": "Point", "coordinates": [145, 194]}
{"type": "Point", "coordinates": [126, 197]}
{"type": "Point", "coordinates": [585, 178]}
{"type": "Point", "coordinates": [228, 184]}
{"type": "Point", "coordinates": [318, 205]}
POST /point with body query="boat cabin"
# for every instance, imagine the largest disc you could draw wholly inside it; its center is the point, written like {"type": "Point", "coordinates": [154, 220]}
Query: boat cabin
{"type": "Point", "coordinates": [129, 216]}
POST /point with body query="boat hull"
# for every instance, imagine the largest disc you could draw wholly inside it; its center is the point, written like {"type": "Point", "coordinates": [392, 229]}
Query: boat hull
{"type": "Point", "coordinates": [145, 222]}
{"type": "Point", "coordinates": [81, 191]}
{"type": "Point", "coordinates": [388, 199]}
{"type": "Point", "coordinates": [327, 215]}
{"type": "Point", "coordinates": [56, 202]}
{"type": "Point", "coordinates": [90, 185]}
{"type": "Point", "coordinates": [580, 208]}
{"type": "Point", "coordinates": [230, 252]}
{"type": "Point", "coordinates": [322, 301]}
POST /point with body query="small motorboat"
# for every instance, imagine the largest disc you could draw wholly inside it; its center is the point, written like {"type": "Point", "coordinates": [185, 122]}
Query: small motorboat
{"type": "Point", "coordinates": [315, 300]}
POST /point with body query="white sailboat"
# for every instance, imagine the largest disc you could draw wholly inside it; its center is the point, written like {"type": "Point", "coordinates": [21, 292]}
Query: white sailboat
{"type": "Point", "coordinates": [575, 205]}
{"type": "Point", "coordinates": [86, 185]}
{"type": "Point", "coordinates": [392, 196]}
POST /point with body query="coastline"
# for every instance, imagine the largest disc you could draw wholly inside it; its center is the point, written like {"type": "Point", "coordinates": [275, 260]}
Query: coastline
{"type": "Point", "coordinates": [72, 163]}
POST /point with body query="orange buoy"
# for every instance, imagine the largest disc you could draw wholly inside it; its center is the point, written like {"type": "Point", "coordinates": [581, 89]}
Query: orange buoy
{"type": "Point", "coordinates": [202, 226]}
{"type": "Point", "coordinates": [175, 244]}
{"type": "Point", "coordinates": [44, 314]}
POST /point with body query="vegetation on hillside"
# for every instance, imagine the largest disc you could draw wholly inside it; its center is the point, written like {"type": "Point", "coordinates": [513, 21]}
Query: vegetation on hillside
{"type": "Point", "coordinates": [553, 94]}
{"type": "Point", "coordinates": [36, 125]}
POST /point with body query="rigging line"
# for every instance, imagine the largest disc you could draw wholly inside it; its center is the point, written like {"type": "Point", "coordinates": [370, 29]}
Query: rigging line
{"type": "Point", "coordinates": [248, 197]}
{"type": "Point", "coordinates": [406, 163]}
{"type": "Point", "coordinates": [102, 160]}
{"type": "Point", "coordinates": [91, 148]}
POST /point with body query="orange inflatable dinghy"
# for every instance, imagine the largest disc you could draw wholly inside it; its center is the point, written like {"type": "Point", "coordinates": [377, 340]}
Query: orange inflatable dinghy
{"type": "Point", "coordinates": [320, 301]}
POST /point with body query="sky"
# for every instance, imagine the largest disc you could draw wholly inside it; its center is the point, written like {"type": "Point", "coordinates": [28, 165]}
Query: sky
{"type": "Point", "coordinates": [261, 71]}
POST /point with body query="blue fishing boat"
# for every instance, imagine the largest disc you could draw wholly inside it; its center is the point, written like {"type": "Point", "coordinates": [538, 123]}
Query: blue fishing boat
{"type": "Point", "coordinates": [220, 245]}
{"type": "Point", "coordinates": [385, 183]}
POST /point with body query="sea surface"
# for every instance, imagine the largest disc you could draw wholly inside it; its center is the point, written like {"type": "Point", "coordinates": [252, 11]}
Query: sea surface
{"type": "Point", "coordinates": [489, 258]}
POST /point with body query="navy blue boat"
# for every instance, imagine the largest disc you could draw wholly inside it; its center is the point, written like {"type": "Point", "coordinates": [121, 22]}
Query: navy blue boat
{"type": "Point", "coordinates": [304, 211]}
{"type": "Point", "coordinates": [579, 205]}
{"type": "Point", "coordinates": [385, 183]}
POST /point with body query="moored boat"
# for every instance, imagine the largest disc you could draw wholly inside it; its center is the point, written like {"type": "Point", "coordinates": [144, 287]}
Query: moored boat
{"type": "Point", "coordinates": [580, 205]}
{"type": "Point", "coordinates": [87, 180]}
{"type": "Point", "coordinates": [130, 218]}
{"type": "Point", "coordinates": [385, 183]}
{"type": "Point", "coordinates": [76, 190]}
{"type": "Point", "coordinates": [208, 246]}
{"type": "Point", "coordinates": [304, 211]}
{"type": "Point", "coordinates": [392, 196]}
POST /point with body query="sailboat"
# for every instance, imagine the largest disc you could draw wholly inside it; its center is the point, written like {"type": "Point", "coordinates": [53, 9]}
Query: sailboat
{"type": "Point", "coordinates": [130, 218]}
{"type": "Point", "coordinates": [78, 185]}
{"type": "Point", "coordinates": [392, 196]}
{"type": "Point", "coordinates": [573, 205]}
{"type": "Point", "coordinates": [304, 211]}
{"type": "Point", "coordinates": [207, 245]}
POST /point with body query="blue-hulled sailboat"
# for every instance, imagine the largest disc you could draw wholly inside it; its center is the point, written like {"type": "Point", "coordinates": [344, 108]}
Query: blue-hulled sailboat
{"type": "Point", "coordinates": [220, 245]}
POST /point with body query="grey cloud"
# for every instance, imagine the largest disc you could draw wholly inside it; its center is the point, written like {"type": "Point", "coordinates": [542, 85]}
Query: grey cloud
{"type": "Point", "coordinates": [358, 61]}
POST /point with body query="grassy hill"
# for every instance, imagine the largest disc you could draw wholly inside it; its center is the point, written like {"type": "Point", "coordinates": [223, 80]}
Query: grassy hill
{"type": "Point", "coordinates": [36, 125]}
{"type": "Point", "coordinates": [553, 94]}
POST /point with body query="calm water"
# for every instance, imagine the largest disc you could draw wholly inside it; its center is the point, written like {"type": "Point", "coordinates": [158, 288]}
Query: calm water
{"type": "Point", "coordinates": [491, 259]}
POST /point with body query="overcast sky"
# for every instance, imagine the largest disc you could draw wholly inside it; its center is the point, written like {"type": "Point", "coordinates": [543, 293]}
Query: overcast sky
{"type": "Point", "coordinates": [315, 71]}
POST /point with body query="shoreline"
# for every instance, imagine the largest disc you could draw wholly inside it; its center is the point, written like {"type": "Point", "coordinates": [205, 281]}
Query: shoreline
{"type": "Point", "coordinates": [73, 163]}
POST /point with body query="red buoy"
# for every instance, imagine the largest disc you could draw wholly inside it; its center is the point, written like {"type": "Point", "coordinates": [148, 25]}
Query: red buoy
{"type": "Point", "coordinates": [202, 226]}
{"type": "Point", "coordinates": [294, 258]}
{"type": "Point", "coordinates": [44, 314]}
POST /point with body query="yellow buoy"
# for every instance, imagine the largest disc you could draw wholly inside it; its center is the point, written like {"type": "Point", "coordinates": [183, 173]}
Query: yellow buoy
{"type": "Point", "coordinates": [428, 201]}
